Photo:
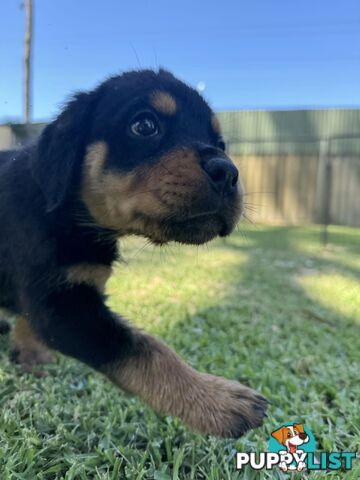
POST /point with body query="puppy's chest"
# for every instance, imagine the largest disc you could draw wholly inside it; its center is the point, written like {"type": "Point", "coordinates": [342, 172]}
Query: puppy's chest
{"type": "Point", "coordinates": [95, 275]}
{"type": "Point", "coordinates": [84, 260]}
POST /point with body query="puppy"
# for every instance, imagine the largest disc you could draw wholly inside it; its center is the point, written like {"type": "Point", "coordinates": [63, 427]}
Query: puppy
{"type": "Point", "coordinates": [142, 154]}
{"type": "Point", "coordinates": [292, 437]}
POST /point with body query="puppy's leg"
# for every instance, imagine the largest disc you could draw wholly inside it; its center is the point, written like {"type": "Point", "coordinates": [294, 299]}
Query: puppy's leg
{"type": "Point", "coordinates": [80, 325]}
{"type": "Point", "coordinates": [206, 403]}
{"type": "Point", "coordinates": [27, 349]}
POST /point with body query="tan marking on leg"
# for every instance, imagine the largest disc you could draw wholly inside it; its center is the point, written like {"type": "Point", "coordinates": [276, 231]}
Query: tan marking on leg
{"type": "Point", "coordinates": [216, 124]}
{"type": "Point", "coordinates": [206, 403]}
{"type": "Point", "coordinates": [29, 349]}
{"type": "Point", "coordinates": [90, 274]}
{"type": "Point", "coordinates": [163, 102]}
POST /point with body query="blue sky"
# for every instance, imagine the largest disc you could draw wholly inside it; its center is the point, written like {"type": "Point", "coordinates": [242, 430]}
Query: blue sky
{"type": "Point", "coordinates": [249, 54]}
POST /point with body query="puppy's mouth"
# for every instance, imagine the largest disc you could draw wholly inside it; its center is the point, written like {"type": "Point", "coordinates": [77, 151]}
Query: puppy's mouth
{"type": "Point", "coordinates": [194, 228]}
{"type": "Point", "coordinates": [292, 448]}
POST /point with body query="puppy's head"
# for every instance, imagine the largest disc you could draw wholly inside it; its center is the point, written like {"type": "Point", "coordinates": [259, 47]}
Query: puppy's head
{"type": "Point", "coordinates": [291, 436]}
{"type": "Point", "coordinates": [144, 153]}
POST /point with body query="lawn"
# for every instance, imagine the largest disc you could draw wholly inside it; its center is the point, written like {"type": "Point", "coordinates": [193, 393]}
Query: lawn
{"type": "Point", "coordinates": [270, 308]}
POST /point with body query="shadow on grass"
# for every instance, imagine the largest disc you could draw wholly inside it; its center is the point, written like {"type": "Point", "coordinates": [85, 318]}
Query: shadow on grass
{"type": "Point", "coordinates": [269, 333]}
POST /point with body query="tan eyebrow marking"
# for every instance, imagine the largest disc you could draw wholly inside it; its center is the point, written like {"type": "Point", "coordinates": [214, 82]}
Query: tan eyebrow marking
{"type": "Point", "coordinates": [163, 102]}
{"type": "Point", "coordinates": [216, 124]}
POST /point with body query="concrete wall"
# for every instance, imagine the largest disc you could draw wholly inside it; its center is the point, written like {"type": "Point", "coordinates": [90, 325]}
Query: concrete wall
{"type": "Point", "coordinates": [7, 138]}
{"type": "Point", "coordinates": [17, 135]}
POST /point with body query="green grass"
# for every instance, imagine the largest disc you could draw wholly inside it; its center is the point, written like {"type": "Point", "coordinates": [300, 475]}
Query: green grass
{"type": "Point", "coordinates": [273, 310]}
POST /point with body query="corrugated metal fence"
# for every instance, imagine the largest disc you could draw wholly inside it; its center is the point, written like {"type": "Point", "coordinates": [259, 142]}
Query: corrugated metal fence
{"type": "Point", "coordinates": [298, 166]}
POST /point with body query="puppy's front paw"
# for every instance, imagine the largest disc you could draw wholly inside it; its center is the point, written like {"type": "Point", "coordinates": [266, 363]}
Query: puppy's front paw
{"type": "Point", "coordinates": [225, 408]}
{"type": "Point", "coordinates": [29, 358]}
{"type": "Point", "coordinates": [301, 466]}
{"type": "Point", "coordinates": [205, 403]}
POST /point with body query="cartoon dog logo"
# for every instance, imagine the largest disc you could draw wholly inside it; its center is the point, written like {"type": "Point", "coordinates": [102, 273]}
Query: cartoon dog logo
{"type": "Point", "coordinates": [292, 437]}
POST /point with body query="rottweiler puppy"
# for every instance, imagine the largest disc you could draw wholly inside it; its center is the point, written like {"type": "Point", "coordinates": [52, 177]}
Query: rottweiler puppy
{"type": "Point", "coordinates": [142, 154]}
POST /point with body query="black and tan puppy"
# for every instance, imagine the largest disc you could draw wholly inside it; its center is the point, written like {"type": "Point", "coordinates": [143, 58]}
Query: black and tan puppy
{"type": "Point", "coordinates": [141, 154]}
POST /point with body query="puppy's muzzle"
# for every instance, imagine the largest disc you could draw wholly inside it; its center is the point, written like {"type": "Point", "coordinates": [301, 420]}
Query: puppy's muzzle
{"type": "Point", "coordinates": [213, 207]}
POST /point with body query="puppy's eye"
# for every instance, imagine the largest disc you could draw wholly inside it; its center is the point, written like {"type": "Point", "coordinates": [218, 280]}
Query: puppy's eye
{"type": "Point", "coordinates": [144, 125]}
{"type": "Point", "coordinates": [221, 144]}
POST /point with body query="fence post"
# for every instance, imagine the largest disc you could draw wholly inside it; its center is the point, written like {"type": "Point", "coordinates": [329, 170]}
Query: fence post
{"type": "Point", "coordinates": [325, 193]}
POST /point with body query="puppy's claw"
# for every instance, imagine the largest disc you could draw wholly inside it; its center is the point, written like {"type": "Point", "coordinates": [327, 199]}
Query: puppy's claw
{"type": "Point", "coordinates": [262, 399]}
{"type": "Point", "coordinates": [254, 420]}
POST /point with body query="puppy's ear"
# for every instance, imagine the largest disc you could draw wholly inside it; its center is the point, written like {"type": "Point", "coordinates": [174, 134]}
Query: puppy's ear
{"type": "Point", "coordinates": [60, 150]}
{"type": "Point", "coordinates": [279, 435]}
{"type": "Point", "coordinates": [299, 427]}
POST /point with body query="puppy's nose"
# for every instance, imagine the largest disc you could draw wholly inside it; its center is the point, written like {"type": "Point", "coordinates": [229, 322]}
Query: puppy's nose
{"type": "Point", "coordinates": [302, 436]}
{"type": "Point", "coordinates": [223, 174]}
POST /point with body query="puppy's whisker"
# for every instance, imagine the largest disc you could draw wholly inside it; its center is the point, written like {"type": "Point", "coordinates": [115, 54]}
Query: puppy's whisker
{"type": "Point", "coordinates": [140, 250]}
{"type": "Point", "coordinates": [247, 218]}
{"type": "Point", "coordinates": [248, 204]}
{"type": "Point", "coordinates": [245, 194]}
{"type": "Point", "coordinates": [155, 58]}
{"type": "Point", "coordinates": [251, 208]}
{"type": "Point", "coordinates": [142, 192]}
{"type": "Point", "coordinates": [136, 54]}
{"type": "Point", "coordinates": [161, 165]}
{"type": "Point", "coordinates": [242, 232]}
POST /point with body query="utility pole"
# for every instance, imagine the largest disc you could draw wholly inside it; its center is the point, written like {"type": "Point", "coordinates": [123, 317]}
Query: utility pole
{"type": "Point", "coordinates": [27, 59]}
